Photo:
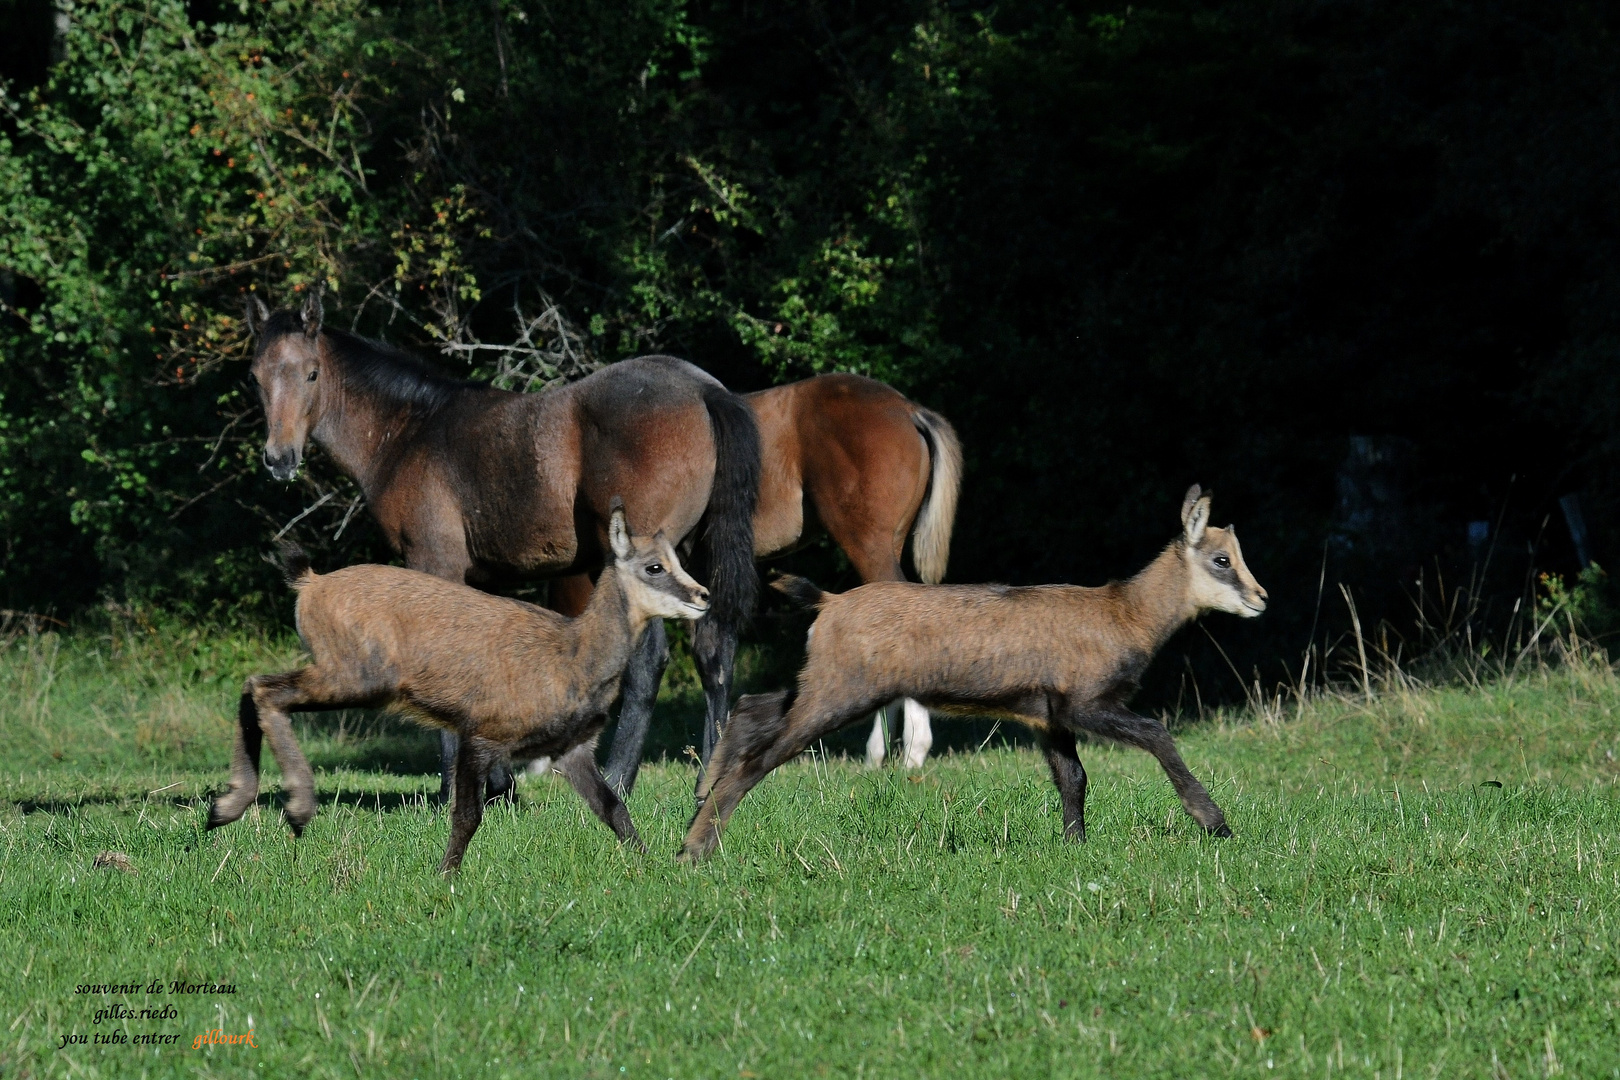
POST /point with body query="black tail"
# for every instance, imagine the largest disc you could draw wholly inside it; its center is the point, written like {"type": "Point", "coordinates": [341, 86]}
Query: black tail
{"type": "Point", "coordinates": [800, 590]}
{"type": "Point", "coordinates": [727, 540]}
{"type": "Point", "coordinates": [295, 564]}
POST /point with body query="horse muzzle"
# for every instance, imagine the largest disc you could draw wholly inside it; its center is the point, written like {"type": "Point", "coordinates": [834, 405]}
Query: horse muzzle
{"type": "Point", "coordinates": [283, 464]}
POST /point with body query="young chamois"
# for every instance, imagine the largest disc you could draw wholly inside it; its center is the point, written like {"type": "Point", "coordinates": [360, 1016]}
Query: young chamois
{"type": "Point", "coordinates": [1061, 659]}
{"type": "Point", "coordinates": [508, 677]}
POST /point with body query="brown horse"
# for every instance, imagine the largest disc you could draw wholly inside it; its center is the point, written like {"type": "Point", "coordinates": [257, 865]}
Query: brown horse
{"type": "Point", "coordinates": [854, 457]}
{"type": "Point", "coordinates": [486, 487]}
{"type": "Point", "coordinates": [840, 453]}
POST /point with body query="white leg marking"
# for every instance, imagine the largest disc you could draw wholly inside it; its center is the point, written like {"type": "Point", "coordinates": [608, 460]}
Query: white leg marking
{"type": "Point", "coordinates": [877, 745]}
{"type": "Point", "coordinates": [919, 735]}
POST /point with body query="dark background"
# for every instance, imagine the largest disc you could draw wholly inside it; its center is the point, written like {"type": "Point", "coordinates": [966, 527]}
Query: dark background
{"type": "Point", "coordinates": [1352, 265]}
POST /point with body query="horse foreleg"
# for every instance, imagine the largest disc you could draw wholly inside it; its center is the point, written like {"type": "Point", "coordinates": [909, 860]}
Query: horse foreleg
{"type": "Point", "coordinates": [640, 691]}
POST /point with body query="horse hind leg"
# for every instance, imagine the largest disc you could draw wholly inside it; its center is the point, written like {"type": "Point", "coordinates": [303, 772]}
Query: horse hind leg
{"type": "Point", "coordinates": [877, 743]}
{"type": "Point", "coordinates": [919, 734]}
{"type": "Point", "coordinates": [714, 649]}
{"type": "Point", "coordinates": [233, 803]}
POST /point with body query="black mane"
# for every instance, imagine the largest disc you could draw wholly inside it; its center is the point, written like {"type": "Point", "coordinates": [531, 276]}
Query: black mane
{"type": "Point", "coordinates": [377, 368]}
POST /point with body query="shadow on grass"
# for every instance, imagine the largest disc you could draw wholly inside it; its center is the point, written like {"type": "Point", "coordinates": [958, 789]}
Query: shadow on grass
{"type": "Point", "coordinates": [68, 806]}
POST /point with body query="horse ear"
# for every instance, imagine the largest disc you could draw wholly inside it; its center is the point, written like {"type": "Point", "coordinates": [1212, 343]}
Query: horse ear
{"type": "Point", "coordinates": [619, 530]}
{"type": "Point", "coordinates": [255, 312]}
{"type": "Point", "coordinates": [1194, 515]}
{"type": "Point", "coordinates": [313, 312]}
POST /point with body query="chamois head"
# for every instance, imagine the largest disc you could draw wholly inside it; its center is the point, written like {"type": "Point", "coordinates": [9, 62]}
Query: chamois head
{"type": "Point", "coordinates": [650, 573]}
{"type": "Point", "coordinates": [1218, 578]}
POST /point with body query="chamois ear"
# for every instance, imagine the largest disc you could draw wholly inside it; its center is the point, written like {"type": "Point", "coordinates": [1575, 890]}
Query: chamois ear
{"type": "Point", "coordinates": [619, 530]}
{"type": "Point", "coordinates": [1194, 515]}
{"type": "Point", "coordinates": [313, 312]}
{"type": "Point", "coordinates": [255, 312]}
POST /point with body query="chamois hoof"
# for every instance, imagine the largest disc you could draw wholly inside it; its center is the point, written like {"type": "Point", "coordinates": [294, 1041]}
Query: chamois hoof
{"type": "Point", "coordinates": [299, 813]}
{"type": "Point", "coordinates": [1220, 831]}
{"type": "Point", "coordinates": [689, 855]}
{"type": "Point", "coordinates": [218, 816]}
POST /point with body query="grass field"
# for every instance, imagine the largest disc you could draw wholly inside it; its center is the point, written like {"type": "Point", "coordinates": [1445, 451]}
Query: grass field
{"type": "Point", "coordinates": [1386, 909]}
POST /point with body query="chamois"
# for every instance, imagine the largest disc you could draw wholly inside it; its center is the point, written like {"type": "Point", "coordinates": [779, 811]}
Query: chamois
{"type": "Point", "coordinates": [1059, 658]}
{"type": "Point", "coordinates": [507, 677]}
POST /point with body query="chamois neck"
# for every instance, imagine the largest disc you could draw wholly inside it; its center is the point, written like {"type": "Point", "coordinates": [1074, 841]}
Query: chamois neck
{"type": "Point", "coordinates": [1157, 598]}
{"type": "Point", "coordinates": [609, 622]}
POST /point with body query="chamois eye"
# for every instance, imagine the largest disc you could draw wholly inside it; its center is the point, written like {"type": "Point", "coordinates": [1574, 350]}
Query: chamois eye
{"type": "Point", "coordinates": [654, 569]}
{"type": "Point", "coordinates": [312, 376]}
{"type": "Point", "coordinates": [1223, 562]}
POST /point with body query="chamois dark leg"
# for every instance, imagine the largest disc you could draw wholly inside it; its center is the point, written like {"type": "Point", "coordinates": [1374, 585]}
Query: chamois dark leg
{"type": "Point", "coordinates": [448, 744]}
{"type": "Point", "coordinates": [714, 649]}
{"type": "Point", "coordinates": [233, 803]}
{"type": "Point", "coordinates": [1118, 722]}
{"type": "Point", "coordinates": [500, 784]}
{"type": "Point", "coordinates": [274, 696]}
{"type": "Point", "coordinates": [1070, 777]}
{"type": "Point", "coordinates": [758, 720]}
{"type": "Point", "coordinates": [579, 766]}
{"type": "Point", "coordinates": [762, 738]}
{"type": "Point", "coordinates": [473, 759]}
{"type": "Point", "coordinates": [640, 691]}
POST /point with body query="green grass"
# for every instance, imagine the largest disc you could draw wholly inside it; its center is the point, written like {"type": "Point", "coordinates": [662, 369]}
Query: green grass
{"type": "Point", "coordinates": [1384, 910]}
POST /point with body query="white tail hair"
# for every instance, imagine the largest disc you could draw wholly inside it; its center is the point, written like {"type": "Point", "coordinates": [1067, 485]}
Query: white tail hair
{"type": "Point", "coordinates": [931, 535]}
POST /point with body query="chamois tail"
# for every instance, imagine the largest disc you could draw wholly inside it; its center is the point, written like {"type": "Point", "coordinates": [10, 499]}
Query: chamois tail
{"type": "Point", "coordinates": [295, 565]}
{"type": "Point", "coordinates": [800, 590]}
{"type": "Point", "coordinates": [727, 539]}
{"type": "Point", "coordinates": [931, 536]}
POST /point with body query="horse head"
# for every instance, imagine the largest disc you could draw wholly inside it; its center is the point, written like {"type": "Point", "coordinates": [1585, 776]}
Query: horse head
{"type": "Point", "coordinates": [287, 367]}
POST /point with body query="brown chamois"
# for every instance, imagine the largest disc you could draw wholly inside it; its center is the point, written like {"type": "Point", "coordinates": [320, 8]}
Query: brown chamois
{"type": "Point", "coordinates": [1061, 659]}
{"type": "Point", "coordinates": [507, 677]}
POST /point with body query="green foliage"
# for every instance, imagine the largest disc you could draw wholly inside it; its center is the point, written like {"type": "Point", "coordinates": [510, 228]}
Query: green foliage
{"type": "Point", "coordinates": [162, 170]}
{"type": "Point", "coordinates": [1590, 604]}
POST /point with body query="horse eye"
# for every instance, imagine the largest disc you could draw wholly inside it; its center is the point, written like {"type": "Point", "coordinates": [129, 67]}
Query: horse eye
{"type": "Point", "coordinates": [312, 376]}
{"type": "Point", "coordinates": [1222, 561]}
{"type": "Point", "coordinates": [655, 568]}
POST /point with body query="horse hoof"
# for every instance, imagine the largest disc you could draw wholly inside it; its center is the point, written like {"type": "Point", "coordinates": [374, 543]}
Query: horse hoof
{"type": "Point", "coordinates": [1221, 831]}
